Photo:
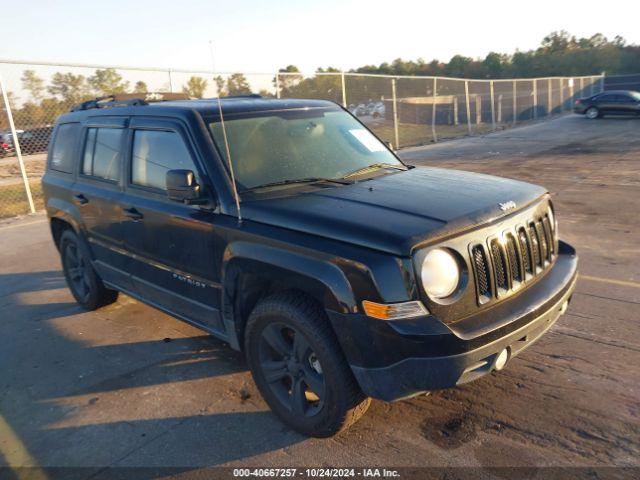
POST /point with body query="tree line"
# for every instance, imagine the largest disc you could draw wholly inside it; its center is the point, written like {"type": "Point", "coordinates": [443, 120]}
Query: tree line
{"type": "Point", "coordinates": [559, 54]}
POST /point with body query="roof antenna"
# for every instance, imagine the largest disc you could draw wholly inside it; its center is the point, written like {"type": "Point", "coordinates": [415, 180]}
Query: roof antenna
{"type": "Point", "coordinates": [226, 146]}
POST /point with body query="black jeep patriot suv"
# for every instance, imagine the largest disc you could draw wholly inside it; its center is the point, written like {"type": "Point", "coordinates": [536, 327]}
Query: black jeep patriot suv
{"type": "Point", "coordinates": [287, 229]}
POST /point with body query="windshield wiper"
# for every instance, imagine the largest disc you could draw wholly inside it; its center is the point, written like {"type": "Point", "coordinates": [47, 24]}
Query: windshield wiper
{"type": "Point", "coordinates": [372, 167]}
{"type": "Point", "coordinates": [292, 181]}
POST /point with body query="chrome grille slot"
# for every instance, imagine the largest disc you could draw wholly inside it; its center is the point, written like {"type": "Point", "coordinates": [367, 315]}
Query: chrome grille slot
{"type": "Point", "coordinates": [514, 259]}
{"type": "Point", "coordinates": [481, 269]}
{"type": "Point", "coordinates": [535, 245]}
{"type": "Point", "coordinates": [542, 240]}
{"type": "Point", "coordinates": [499, 265]}
{"type": "Point", "coordinates": [524, 250]}
{"type": "Point", "coordinates": [548, 233]}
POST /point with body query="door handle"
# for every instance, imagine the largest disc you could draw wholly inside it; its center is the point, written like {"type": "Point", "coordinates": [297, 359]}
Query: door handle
{"type": "Point", "coordinates": [80, 199]}
{"type": "Point", "coordinates": [133, 213]}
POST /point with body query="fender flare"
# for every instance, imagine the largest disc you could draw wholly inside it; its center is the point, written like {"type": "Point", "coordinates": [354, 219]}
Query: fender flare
{"type": "Point", "coordinates": [65, 211]}
{"type": "Point", "coordinates": [317, 277]}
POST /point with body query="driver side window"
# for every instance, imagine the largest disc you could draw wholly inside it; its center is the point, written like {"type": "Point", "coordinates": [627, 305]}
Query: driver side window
{"type": "Point", "coordinates": [154, 154]}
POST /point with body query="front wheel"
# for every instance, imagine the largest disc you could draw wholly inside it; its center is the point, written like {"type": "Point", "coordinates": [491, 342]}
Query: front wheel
{"type": "Point", "coordinates": [592, 113]}
{"type": "Point", "coordinates": [299, 368]}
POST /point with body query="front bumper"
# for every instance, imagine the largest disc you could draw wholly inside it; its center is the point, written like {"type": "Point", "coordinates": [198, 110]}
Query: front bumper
{"type": "Point", "coordinates": [399, 359]}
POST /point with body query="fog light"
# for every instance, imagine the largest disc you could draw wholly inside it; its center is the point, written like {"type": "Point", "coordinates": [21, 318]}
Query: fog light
{"type": "Point", "coordinates": [503, 356]}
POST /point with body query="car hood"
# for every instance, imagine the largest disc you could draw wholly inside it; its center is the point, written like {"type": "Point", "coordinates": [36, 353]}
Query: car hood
{"type": "Point", "coordinates": [395, 212]}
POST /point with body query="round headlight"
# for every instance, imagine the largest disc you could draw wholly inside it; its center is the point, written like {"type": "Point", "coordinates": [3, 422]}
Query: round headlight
{"type": "Point", "coordinates": [440, 273]}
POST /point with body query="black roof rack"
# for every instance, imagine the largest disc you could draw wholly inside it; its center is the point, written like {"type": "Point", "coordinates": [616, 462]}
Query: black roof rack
{"type": "Point", "coordinates": [128, 100]}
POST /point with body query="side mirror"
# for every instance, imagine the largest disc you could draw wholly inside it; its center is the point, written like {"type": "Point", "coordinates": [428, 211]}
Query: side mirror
{"type": "Point", "coordinates": [182, 186]}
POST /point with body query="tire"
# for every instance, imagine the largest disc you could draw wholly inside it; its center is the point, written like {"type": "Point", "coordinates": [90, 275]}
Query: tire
{"type": "Point", "coordinates": [592, 113]}
{"type": "Point", "coordinates": [299, 368]}
{"type": "Point", "coordinates": [83, 281]}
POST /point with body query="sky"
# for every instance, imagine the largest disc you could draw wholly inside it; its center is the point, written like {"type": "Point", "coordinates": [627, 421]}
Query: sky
{"type": "Point", "coordinates": [262, 36]}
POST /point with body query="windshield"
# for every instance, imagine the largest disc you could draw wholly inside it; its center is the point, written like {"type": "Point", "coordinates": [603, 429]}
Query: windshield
{"type": "Point", "coordinates": [294, 145]}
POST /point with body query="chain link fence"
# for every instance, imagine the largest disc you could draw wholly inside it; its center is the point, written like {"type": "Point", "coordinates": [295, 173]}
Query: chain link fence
{"type": "Point", "coordinates": [405, 111]}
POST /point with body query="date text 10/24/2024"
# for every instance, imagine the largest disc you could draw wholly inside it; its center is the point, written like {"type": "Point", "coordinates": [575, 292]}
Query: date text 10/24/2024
{"type": "Point", "coordinates": [316, 472]}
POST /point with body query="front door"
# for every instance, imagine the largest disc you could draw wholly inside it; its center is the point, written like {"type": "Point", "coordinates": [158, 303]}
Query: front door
{"type": "Point", "coordinates": [174, 264]}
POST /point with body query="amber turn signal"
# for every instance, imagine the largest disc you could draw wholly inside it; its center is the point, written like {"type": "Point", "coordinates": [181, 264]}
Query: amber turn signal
{"type": "Point", "coordinates": [394, 311]}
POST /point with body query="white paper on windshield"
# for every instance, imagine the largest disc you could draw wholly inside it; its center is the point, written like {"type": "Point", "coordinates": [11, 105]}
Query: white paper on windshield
{"type": "Point", "coordinates": [367, 139]}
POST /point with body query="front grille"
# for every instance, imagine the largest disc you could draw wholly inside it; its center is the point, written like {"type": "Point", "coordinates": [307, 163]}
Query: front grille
{"type": "Point", "coordinates": [519, 255]}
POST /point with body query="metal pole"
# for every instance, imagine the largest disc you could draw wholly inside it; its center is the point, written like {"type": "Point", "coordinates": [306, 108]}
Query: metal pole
{"type": "Point", "coordinates": [561, 80]}
{"type": "Point", "coordinates": [493, 112]}
{"type": "Point", "coordinates": [515, 102]}
{"type": "Point", "coordinates": [171, 82]}
{"type": "Point", "coordinates": [434, 111]}
{"type": "Point", "coordinates": [466, 96]}
{"type": "Point", "coordinates": [591, 86]}
{"type": "Point", "coordinates": [344, 92]}
{"type": "Point", "coordinates": [277, 85]}
{"type": "Point", "coordinates": [581, 86]}
{"type": "Point", "coordinates": [535, 99]}
{"type": "Point", "coordinates": [16, 144]}
{"type": "Point", "coordinates": [549, 96]}
{"type": "Point", "coordinates": [455, 110]}
{"type": "Point", "coordinates": [571, 93]}
{"type": "Point", "coordinates": [395, 113]}
{"type": "Point", "coordinates": [500, 109]}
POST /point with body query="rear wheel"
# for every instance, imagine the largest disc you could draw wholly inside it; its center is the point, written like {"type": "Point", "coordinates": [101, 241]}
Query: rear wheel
{"type": "Point", "coordinates": [299, 368]}
{"type": "Point", "coordinates": [83, 281]}
{"type": "Point", "coordinates": [592, 113]}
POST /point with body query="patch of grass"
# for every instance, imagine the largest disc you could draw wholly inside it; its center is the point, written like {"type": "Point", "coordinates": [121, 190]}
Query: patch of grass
{"type": "Point", "coordinates": [13, 199]}
{"type": "Point", "coordinates": [411, 134]}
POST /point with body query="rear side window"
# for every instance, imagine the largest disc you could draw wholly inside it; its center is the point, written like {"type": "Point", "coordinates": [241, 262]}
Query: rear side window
{"type": "Point", "coordinates": [154, 154]}
{"type": "Point", "coordinates": [103, 153]}
{"type": "Point", "coordinates": [63, 147]}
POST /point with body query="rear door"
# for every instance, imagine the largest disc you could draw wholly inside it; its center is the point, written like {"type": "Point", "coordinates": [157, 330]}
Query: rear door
{"type": "Point", "coordinates": [98, 192]}
{"type": "Point", "coordinates": [176, 246]}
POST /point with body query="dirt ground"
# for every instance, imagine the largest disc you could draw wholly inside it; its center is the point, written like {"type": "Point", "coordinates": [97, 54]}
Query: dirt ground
{"type": "Point", "coordinates": [128, 386]}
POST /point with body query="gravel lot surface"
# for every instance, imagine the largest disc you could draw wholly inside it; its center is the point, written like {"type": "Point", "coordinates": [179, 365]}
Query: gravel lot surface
{"type": "Point", "coordinates": [130, 386]}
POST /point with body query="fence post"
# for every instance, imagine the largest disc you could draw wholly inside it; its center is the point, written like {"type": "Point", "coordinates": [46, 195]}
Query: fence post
{"type": "Point", "coordinates": [466, 98]}
{"type": "Point", "coordinates": [434, 111]}
{"type": "Point", "coordinates": [395, 113]}
{"type": "Point", "coordinates": [549, 96]}
{"type": "Point", "coordinates": [277, 85]}
{"type": "Point", "coordinates": [344, 92]}
{"type": "Point", "coordinates": [591, 86]}
{"type": "Point", "coordinates": [493, 110]}
{"type": "Point", "coordinates": [581, 87]}
{"type": "Point", "coordinates": [535, 98]}
{"type": "Point", "coordinates": [561, 80]}
{"type": "Point", "coordinates": [500, 109]}
{"type": "Point", "coordinates": [455, 110]}
{"type": "Point", "coordinates": [602, 82]}
{"type": "Point", "coordinates": [170, 81]}
{"type": "Point", "coordinates": [571, 91]}
{"type": "Point", "coordinates": [16, 144]}
{"type": "Point", "coordinates": [515, 102]}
